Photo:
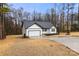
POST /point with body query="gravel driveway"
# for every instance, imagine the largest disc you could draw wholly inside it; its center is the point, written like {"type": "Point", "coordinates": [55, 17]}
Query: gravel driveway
{"type": "Point", "coordinates": [71, 42]}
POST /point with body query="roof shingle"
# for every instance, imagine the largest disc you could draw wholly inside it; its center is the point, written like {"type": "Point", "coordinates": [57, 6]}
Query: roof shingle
{"type": "Point", "coordinates": [43, 24]}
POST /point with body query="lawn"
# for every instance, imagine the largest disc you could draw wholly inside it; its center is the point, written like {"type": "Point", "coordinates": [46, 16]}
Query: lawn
{"type": "Point", "coordinates": [15, 45]}
{"type": "Point", "coordinates": [72, 34]}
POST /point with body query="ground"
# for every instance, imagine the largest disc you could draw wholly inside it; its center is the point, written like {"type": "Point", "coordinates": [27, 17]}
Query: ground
{"type": "Point", "coordinates": [71, 42]}
{"type": "Point", "coordinates": [17, 46]}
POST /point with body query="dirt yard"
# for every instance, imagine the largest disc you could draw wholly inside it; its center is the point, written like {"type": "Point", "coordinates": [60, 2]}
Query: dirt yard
{"type": "Point", "coordinates": [15, 45]}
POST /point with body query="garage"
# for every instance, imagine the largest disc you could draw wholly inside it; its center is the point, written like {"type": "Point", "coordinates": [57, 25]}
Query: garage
{"type": "Point", "coordinates": [34, 33]}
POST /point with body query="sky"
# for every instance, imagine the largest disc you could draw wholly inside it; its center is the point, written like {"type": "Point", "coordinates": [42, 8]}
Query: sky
{"type": "Point", "coordinates": [38, 7]}
{"type": "Point", "coordinates": [30, 7]}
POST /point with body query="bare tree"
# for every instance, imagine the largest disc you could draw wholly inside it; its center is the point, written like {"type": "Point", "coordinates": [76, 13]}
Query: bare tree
{"type": "Point", "coordinates": [78, 13]}
{"type": "Point", "coordinates": [26, 15]}
{"type": "Point", "coordinates": [53, 16]}
{"type": "Point", "coordinates": [62, 15]}
{"type": "Point", "coordinates": [34, 16]}
{"type": "Point", "coordinates": [47, 17]}
{"type": "Point", "coordinates": [39, 17]}
{"type": "Point", "coordinates": [72, 14]}
{"type": "Point", "coordinates": [68, 7]}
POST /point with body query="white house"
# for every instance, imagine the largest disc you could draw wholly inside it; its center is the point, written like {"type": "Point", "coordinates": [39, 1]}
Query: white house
{"type": "Point", "coordinates": [37, 28]}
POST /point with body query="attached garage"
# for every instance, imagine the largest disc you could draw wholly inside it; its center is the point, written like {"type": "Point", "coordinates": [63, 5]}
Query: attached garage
{"type": "Point", "coordinates": [34, 33]}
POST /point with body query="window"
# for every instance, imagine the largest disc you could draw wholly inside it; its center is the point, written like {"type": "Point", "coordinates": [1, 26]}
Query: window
{"type": "Point", "coordinates": [53, 29]}
{"type": "Point", "coordinates": [44, 29]}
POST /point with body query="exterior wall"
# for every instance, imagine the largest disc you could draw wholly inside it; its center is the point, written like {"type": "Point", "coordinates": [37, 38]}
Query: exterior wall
{"type": "Point", "coordinates": [33, 27]}
{"type": "Point", "coordinates": [53, 31]}
{"type": "Point", "coordinates": [36, 27]}
{"type": "Point", "coordinates": [49, 31]}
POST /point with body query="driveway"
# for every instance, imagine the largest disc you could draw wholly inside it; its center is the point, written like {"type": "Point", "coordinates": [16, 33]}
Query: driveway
{"type": "Point", "coordinates": [71, 42]}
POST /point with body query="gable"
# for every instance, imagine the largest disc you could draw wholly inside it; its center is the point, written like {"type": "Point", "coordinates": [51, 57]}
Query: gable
{"type": "Point", "coordinates": [53, 27]}
{"type": "Point", "coordinates": [34, 26]}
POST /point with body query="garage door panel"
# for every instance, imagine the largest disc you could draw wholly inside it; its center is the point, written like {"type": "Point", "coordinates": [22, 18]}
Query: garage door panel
{"type": "Point", "coordinates": [34, 32]}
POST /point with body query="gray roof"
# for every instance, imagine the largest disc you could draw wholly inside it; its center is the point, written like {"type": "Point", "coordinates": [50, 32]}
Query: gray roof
{"type": "Point", "coordinates": [43, 24]}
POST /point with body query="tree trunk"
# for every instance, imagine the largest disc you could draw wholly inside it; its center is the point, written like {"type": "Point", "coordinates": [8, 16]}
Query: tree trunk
{"type": "Point", "coordinates": [78, 13]}
{"type": "Point", "coordinates": [2, 30]}
{"type": "Point", "coordinates": [68, 32]}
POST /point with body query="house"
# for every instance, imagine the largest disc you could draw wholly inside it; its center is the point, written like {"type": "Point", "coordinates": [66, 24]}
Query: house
{"type": "Point", "coordinates": [37, 28]}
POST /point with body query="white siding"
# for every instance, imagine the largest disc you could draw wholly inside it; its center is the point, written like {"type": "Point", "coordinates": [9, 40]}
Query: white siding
{"type": "Point", "coordinates": [49, 31]}
{"type": "Point", "coordinates": [33, 27]}
{"type": "Point", "coordinates": [53, 31]}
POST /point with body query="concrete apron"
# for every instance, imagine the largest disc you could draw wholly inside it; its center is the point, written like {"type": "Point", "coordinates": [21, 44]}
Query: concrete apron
{"type": "Point", "coordinates": [71, 42]}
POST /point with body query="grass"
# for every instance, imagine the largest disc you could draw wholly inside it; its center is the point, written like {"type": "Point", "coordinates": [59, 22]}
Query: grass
{"type": "Point", "coordinates": [15, 45]}
{"type": "Point", "coordinates": [72, 34]}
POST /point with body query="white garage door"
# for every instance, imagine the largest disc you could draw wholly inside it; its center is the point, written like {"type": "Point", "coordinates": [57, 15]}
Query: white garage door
{"type": "Point", "coordinates": [34, 32]}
